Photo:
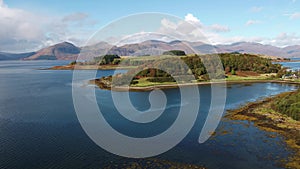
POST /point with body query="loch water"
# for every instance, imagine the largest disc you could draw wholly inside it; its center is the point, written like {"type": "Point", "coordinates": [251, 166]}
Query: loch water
{"type": "Point", "coordinates": [39, 127]}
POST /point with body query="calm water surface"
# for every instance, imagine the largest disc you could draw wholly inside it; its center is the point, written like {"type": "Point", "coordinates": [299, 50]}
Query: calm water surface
{"type": "Point", "coordinates": [294, 64]}
{"type": "Point", "coordinates": [39, 128]}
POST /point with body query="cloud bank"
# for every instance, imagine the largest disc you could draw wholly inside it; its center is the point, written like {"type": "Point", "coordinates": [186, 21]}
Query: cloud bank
{"type": "Point", "coordinates": [23, 31]}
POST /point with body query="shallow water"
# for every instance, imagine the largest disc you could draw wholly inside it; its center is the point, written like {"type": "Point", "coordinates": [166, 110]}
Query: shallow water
{"type": "Point", "coordinates": [39, 127]}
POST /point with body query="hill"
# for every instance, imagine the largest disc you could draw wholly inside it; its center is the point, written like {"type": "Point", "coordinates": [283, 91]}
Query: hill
{"type": "Point", "coordinates": [150, 47]}
{"type": "Point", "coordinates": [61, 51]}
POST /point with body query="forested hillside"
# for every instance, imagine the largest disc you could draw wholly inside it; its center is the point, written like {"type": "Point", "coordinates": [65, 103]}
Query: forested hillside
{"type": "Point", "coordinates": [231, 62]}
{"type": "Point", "coordinates": [203, 67]}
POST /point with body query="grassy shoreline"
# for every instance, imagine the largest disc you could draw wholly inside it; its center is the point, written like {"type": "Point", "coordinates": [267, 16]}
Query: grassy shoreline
{"type": "Point", "coordinates": [175, 85]}
{"type": "Point", "coordinates": [265, 118]}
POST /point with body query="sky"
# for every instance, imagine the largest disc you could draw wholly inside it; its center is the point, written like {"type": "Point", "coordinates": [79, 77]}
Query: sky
{"type": "Point", "coordinates": [33, 24]}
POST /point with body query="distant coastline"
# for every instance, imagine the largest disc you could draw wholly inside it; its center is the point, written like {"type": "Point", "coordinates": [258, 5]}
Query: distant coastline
{"type": "Point", "coordinates": [285, 60]}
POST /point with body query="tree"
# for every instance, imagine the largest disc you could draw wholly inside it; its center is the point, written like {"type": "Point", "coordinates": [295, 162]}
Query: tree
{"type": "Point", "coordinates": [227, 69]}
{"type": "Point", "coordinates": [116, 61]}
{"type": "Point", "coordinates": [175, 52]}
{"type": "Point", "coordinates": [233, 72]}
{"type": "Point", "coordinates": [73, 62]}
{"type": "Point", "coordinates": [106, 59]}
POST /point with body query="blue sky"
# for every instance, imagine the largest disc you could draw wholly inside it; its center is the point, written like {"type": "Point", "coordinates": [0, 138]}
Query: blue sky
{"type": "Point", "coordinates": [274, 22]}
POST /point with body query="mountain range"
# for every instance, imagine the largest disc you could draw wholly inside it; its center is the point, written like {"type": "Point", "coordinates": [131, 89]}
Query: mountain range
{"type": "Point", "coordinates": [13, 56]}
{"type": "Point", "coordinates": [68, 51]}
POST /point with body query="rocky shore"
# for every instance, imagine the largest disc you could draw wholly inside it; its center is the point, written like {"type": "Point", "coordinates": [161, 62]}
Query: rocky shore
{"type": "Point", "coordinates": [265, 118]}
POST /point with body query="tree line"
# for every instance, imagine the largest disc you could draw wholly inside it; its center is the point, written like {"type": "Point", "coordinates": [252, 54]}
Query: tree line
{"type": "Point", "coordinates": [202, 67]}
{"type": "Point", "coordinates": [229, 62]}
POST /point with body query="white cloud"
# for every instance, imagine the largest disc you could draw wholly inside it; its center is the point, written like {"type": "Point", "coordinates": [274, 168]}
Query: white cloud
{"type": "Point", "coordinates": [219, 28]}
{"type": "Point", "coordinates": [79, 16]}
{"type": "Point", "coordinates": [284, 39]}
{"type": "Point", "coordinates": [192, 19]}
{"type": "Point", "coordinates": [256, 9]}
{"type": "Point", "coordinates": [252, 22]}
{"type": "Point", "coordinates": [2, 3]}
{"type": "Point", "coordinates": [295, 15]}
{"type": "Point", "coordinates": [191, 29]}
{"type": "Point", "coordinates": [168, 24]}
{"type": "Point", "coordinates": [22, 31]}
{"type": "Point", "coordinates": [188, 29]}
{"type": "Point", "coordinates": [19, 27]}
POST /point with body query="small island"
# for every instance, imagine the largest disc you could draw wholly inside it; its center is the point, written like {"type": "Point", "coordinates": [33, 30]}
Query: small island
{"type": "Point", "coordinates": [235, 68]}
{"type": "Point", "coordinates": [238, 68]}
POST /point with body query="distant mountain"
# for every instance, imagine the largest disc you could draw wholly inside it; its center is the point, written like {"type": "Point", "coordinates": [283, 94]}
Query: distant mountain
{"type": "Point", "coordinates": [150, 47]}
{"type": "Point", "coordinates": [12, 56]}
{"type": "Point", "coordinates": [61, 51]}
{"type": "Point", "coordinates": [250, 47]}
{"type": "Point", "coordinates": [292, 51]}
{"type": "Point", "coordinates": [68, 51]}
{"type": "Point", "coordinates": [257, 48]}
{"type": "Point", "coordinates": [158, 47]}
{"type": "Point", "coordinates": [97, 49]}
{"type": "Point", "coordinates": [202, 48]}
